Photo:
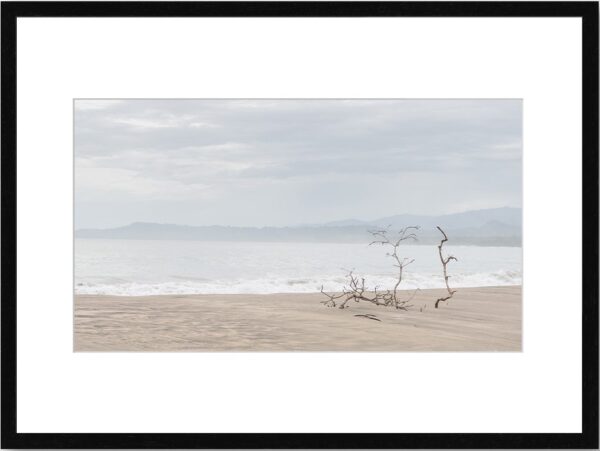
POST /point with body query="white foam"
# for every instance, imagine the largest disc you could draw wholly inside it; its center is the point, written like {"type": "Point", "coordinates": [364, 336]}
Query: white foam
{"type": "Point", "coordinates": [297, 285]}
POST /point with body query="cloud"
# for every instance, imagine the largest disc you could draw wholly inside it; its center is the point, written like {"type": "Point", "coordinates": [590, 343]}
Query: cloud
{"type": "Point", "coordinates": [87, 105]}
{"type": "Point", "coordinates": [238, 150]}
{"type": "Point", "coordinates": [146, 123]}
{"type": "Point", "coordinates": [97, 183]}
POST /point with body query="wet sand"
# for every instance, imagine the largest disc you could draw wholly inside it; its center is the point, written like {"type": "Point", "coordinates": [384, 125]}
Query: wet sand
{"type": "Point", "coordinates": [475, 319]}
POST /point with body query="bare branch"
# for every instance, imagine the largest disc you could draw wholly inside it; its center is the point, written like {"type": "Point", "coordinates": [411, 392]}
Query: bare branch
{"type": "Point", "coordinates": [356, 289]}
{"type": "Point", "coordinates": [332, 297]}
{"type": "Point", "coordinates": [445, 262]}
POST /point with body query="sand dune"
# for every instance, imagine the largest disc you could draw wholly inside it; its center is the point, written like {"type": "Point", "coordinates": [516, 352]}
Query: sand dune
{"type": "Point", "coordinates": [476, 319]}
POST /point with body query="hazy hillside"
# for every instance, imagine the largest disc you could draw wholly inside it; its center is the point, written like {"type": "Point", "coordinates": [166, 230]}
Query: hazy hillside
{"type": "Point", "coordinates": [500, 226]}
{"type": "Point", "coordinates": [475, 218]}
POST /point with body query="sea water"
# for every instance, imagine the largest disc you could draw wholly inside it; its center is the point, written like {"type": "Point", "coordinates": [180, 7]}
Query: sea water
{"type": "Point", "coordinates": [138, 267]}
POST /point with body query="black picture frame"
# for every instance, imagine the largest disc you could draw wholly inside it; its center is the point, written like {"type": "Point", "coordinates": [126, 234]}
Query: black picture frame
{"type": "Point", "coordinates": [588, 11]}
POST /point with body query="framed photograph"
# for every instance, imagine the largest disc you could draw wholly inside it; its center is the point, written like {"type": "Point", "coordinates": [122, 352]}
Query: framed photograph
{"type": "Point", "coordinates": [300, 225]}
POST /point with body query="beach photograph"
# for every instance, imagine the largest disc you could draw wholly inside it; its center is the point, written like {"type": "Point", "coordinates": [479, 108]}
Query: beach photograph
{"type": "Point", "coordinates": [297, 225]}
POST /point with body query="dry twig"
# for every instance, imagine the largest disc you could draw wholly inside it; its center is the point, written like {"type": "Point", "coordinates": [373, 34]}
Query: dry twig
{"type": "Point", "coordinates": [369, 316]}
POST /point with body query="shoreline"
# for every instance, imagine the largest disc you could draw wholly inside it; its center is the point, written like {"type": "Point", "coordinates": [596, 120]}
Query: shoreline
{"type": "Point", "coordinates": [282, 293]}
{"type": "Point", "coordinates": [477, 319]}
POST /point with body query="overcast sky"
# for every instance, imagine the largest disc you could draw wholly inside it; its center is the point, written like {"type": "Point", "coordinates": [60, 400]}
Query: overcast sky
{"type": "Point", "coordinates": [289, 162]}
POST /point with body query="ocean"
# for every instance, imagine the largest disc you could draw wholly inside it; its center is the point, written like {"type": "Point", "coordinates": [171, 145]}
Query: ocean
{"type": "Point", "coordinates": [139, 267]}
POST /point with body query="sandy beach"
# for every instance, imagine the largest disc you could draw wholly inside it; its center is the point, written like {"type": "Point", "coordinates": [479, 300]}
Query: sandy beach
{"type": "Point", "coordinates": [476, 319]}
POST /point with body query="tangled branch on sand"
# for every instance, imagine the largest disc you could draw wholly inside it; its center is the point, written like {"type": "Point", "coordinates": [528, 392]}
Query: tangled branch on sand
{"type": "Point", "coordinates": [355, 289]}
{"type": "Point", "coordinates": [445, 262]}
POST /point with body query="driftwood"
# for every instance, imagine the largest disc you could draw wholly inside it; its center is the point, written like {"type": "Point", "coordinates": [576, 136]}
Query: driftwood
{"type": "Point", "coordinates": [445, 262]}
{"type": "Point", "coordinates": [369, 316]}
{"type": "Point", "coordinates": [356, 291]}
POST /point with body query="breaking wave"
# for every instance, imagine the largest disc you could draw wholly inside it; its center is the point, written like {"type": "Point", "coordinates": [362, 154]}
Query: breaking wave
{"type": "Point", "coordinates": [295, 285]}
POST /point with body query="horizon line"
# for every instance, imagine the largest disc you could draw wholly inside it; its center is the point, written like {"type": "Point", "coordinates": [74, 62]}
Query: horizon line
{"type": "Point", "coordinates": [366, 222]}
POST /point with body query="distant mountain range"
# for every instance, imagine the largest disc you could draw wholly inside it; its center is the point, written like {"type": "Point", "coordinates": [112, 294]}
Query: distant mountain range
{"type": "Point", "coordinates": [491, 227]}
{"type": "Point", "coordinates": [474, 218]}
